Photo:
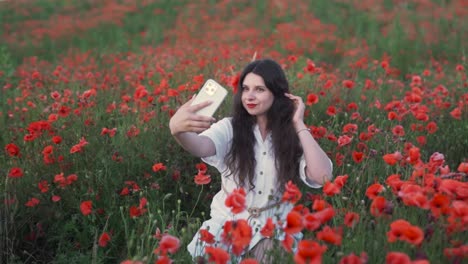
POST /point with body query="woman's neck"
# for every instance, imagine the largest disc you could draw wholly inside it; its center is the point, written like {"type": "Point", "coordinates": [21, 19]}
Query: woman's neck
{"type": "Point", "coordinates": [262, 126]}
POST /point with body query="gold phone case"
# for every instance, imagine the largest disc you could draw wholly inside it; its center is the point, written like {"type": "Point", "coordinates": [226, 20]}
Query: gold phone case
{"type": "Point", "coordinates": [211, 90]}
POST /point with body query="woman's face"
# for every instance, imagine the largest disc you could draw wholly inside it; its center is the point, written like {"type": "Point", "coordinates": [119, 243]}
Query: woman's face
{"type": "Point", "coordinates": [256, 97]}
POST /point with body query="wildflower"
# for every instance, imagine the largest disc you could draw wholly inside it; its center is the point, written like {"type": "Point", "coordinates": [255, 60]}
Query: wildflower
{"type": "Point", "coordinates": [329, 235]}
{"type": "Point", "coordinates": [15, 172]}
{"type": "Point", "coordinates": [167, 244]}
{"type": "Point", "coordinates": [292, 193]}
{"type": "Point", "coordinates": [86, 207]}
{"type": "Point", "coordinates": [309, 251]}
{"type": "Point", "coordinates": [202, 179]}
{"type": "Point", "coordinates": [12, 150]}
{"type": "Point", "coordinates": [217, 255]}
{"type": "Point", "coordinates": [351, 219]}
{"type": "Point", "coordinates": [206, 236]}
{"type": "Point", "coordinates": [268, 229]}
{"type": "Point", "coordinates": [158, 167]}
{"type": "Point", "coordinates": [236, 201]}
{"type": "Point", "coordinates": [237, 233]}
{"type": "Point", "coordinates": [403, 230]}
{"type": "Point", "coordinates": [392, 158]}
{"type": "Point", "coordinates": [32, 202]}
{"type": "Point", "coordinates": [330, 189]}
{"type": "Point", "coordinates": [294, 223]}
{"type": "Point", "coordinates": [312, 99]}
{"type": "Point", "coordinates": [104, 239]}
{"type": "Point", "coordinates": [373, 190]}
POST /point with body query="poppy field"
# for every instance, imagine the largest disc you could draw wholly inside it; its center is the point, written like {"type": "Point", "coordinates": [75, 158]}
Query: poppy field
{"type": "Point", "coordinates": [91, 174]}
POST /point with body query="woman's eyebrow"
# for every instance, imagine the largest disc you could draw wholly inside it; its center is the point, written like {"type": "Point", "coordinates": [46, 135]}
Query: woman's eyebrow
{"type": "Point", "coordinates": [256, 86]}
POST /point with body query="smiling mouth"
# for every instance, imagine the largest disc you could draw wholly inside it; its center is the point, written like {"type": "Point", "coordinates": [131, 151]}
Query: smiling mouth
{"type": "Point", "coordinates": [251, 105]}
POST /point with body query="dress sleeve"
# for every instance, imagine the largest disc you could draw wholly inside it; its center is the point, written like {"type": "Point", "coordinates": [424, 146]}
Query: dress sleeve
{"type": "Point", "coordinates": [303, 176]}
{"type": "Point", "coordinates": [221, 135]}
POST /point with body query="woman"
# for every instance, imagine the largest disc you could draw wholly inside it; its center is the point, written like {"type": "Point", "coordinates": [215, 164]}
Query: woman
{"type": "Point", "coordinates": [261, 147]}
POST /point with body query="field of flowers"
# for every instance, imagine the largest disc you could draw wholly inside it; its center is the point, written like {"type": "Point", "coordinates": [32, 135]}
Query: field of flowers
{"type": "Point", "coordinates": [90, 173]}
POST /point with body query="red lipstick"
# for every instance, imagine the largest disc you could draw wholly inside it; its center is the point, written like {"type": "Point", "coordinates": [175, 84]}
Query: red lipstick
{"type": "Point", "coordinates": [251, 105]}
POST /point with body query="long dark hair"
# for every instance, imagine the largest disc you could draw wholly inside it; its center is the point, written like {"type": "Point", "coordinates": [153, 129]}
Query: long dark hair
{"type": "Point", "coordinates": [240, 159]}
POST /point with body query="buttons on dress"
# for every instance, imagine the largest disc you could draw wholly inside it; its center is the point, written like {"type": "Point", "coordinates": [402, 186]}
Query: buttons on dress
{"type": "Point", "coordinates": [261, 173]}
{"type": "Point", "coordinates": [264, 152]}
{"type": "Point", "coordinates": [259, 192]}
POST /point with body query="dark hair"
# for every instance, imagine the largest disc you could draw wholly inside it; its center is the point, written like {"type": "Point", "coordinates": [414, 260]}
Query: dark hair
{"type": "Point", "coordinates": [286, 146]}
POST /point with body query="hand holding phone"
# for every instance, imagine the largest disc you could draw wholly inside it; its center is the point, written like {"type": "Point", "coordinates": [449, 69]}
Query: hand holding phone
{"type": "Point", "coordinates": [213, 91]}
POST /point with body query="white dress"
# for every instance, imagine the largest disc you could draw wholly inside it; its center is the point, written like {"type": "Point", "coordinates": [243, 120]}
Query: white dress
{"type": "Point", "coordinates": [265, 192]}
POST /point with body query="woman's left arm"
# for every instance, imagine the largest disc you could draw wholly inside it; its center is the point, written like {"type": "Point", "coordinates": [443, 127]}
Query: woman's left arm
{"type": "Point", "coordinates": [318, 166]}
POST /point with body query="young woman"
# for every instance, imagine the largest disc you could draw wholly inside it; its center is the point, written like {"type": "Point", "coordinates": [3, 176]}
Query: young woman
{"type": "Point", "coordinates": [261, 147]}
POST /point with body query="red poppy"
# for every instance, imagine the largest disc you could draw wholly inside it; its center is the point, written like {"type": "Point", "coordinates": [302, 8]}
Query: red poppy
{"type": "Point", "coordinates": [164, 259]}
{"type": "Point", "coordinates": [330, 189]}
{"type": "Point", "coordinates": [202, 179]}
{"type": "Point", "coordinates": [86, 207]}
{"type": "Point", "coordinates": [340, 180]}
{"type": "Point", "coordinates": [167, 244]}
{"type": "Point", "coordinates": [217, 255]}
{"type": "Point", "coordinates": [294, 223]}
{"type": "Point", "coordinates": [329, 235]}
{"type": "Point", "coordinates": [392, 158]}
{"type": "Point", "coordinates": [398, 130]}
{"type": "Point", "coordinates": [206, 236]}
{"type": "Point", "coordinates": [292, 193]}
{"type": "Point", "coordinates": [12, 150]}
{"type": "Point", "coordinates": [287, 242]}
{"type": "Point", "coordinates": [344, 140]}
{"type": "Point", "coordinates": [351, 219]}
{"type": "Point", "coordinates": [312, 99]}
{"type": "Point", "coordinates": [15, 173]}
{"type": "Point", "coordinates": [56, 139]}
{"type": "Point", "coordinates": [463, 167]}
{"type": "Point", "coordinates": [378, 206]}
{"type": "Point", "coordinates": [311, 222]}
{"type": "Point", "coordinates": [350, 129]}
{"type": "Point", "coordinates": [348, 84]}
{"type": "Point", "coordinates": [159, 167]}
{"type": "Point", "coordinates": [309, 252]}
{"type": "Point", "coordinates": [136, 211]}
{"type": "Point", "coordinates": [397, 258]}
{"type": "Point", "coordinates": [237, 234]}
{"type": "Point", "coordinates": [236, 201]}
{"type": "Point", "coordinates": [353, 259]}
{"type": "Point", "coordinates": [249, 261]}
{"type": "Point", "coordinates": [402, 230]}
{"type": "Point", "coordinates": [456, 113]}
{"type": "Point", "coordinates": [104, 239]}
{"type": "Point", "coordinates": [358, 157]}
{"type": "Point", "coordinates": [374, 190]}
{"type": "Point", "coordinates": [43, 186]}
{"type": "Point", "coordinates": [325, 215]}
{"type": "Point", "coordinates": [32, 202]}
{"type": "Point", "coordinates": [268, 229]}
{"type": "Point", "coordinates": [440, 204]}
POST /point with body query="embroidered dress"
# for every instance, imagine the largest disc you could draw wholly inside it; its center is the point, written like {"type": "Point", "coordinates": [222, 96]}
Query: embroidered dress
{"type": "Point", "coordinates": [264, 194]}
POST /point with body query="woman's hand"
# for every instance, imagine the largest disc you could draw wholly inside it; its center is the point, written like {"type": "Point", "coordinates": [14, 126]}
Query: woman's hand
{"type": "Point", "coordinates": [186, 119]}
{"type": "Point", "coordinates": [298, 117]}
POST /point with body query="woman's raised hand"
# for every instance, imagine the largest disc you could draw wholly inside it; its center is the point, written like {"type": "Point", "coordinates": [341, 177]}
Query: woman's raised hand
{"type": "Point", "coordinates": [298, 117]}
{"type": "Point", "coordinates": [187, 120]}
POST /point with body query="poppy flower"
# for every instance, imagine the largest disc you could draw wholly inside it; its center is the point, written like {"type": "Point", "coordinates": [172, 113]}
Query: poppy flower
{"type": "Point", "coordinates": [354, 259]}
{"type": "Point", "coordinates": [358, 157]}
{"type": "Point", "coordinates": [15, 173]}
{"type": "Point", "coordinates": [86, 207]}
{"type": "Point", "coordinates": [340, 180]}
{"type": "Point", "coordinates": [312, 99]}
{"type": "Point", "coordinates": [292, 193]}
{"type": "Point", "coordinates": [350, 128]}
{"type": "Point", "coordinates": [351, 219]}
{"type": "Point", "coordinates": [237, 234]}
{"type": "Point", "coordinates": [163, 260]}
{"type": "Point", "coordinates": [249, 261]}
{"type": "Point", "coordinates": [330, 189]}
{"type": "Point", "coordinates": [402, 230]}
{"type": "Point", "coordinates": [379, 206]}
{"type": "Point", "coordinates": [12, 150]}
{"type": "Point", "coordinates": [311, 222]}
{"type": "Point", "coordinates": [206, 236]}
{"type": "Point", "coordinates": [397, 258]}
{"type": "Point", "coordinates": [329, 235]}
{"type": "Point", "coordinates": [463, 167]}
{"type": "Point", "coordinates": [32, 202]}
{"type": "Point", "coordinates": [392, 158]}
{"type": "Point", "coordinates": [202, 179]}
{"type": "Point", "coordinates": [287, 242]}
{"type": "Point", "coordinates": [217, 255]}
{"type": "Point", "coordinates": [268, 229]}
{"type": "Point", "coordinates": [168, 244]}
{"type": "Point", "coordinates": [104, 239]}
{"type": "Point", "coordinates": [294, 223]}
{"type": "Point", "coordinates": [374, 190]}
{"type": "Point", "coordinates": [310, 252]}
{"type": "Point", "coordinates": [158, 167]}
{"type": "Point", "coordinates": [236, 201]}
{"type": "Point", "coordinates": [344, 140]}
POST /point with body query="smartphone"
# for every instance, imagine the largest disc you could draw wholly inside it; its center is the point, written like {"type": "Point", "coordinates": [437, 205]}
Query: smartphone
{"type": "Point", "coordinates": [211, 90]}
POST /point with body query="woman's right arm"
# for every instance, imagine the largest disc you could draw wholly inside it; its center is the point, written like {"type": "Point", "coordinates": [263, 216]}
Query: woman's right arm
{"type": "Point", "coordinates": [185, 125]}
